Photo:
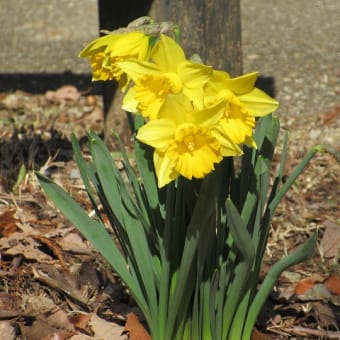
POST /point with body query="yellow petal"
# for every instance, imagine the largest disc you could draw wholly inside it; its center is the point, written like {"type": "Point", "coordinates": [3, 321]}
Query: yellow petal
{"type": "Point", "coordinates": [250, 142]}
{"type": "Point", "coordinates": [167, 54]}
{"type": "Point", "coordinates": [199, 163]}
{"type": "Point", "coordinates": [196, 95]}
{"type": "Point", "coordinates": [241, 85]}
{"type": "Point", "coordinates": [157, 133]}
{"type": "Point", "coordinates": [221, 80]}
{"type": "Point", "coordinates": [216, 82]}
{"type": "Point", "coordinates": [130, 44]}
{"type": "Point", "coordinates": [258, 102]}
{"type": "Point", "coordinates": [136, 69]}
{"type": "Point", "coordinates": [236, 130]}
{"type": "Point", "coordinates": [211, 116]}
{"type": "Point", "coordinates": [164, 168]}
{"type": "Point", "coordinates": [194, 75]}
{"type": "Point", "coordinates": [176, 108]}
{"type": "Point", "coordinates": [228, 148]}
{"type": "Point", "coordinates": [152, 91]}
{"type": "Point", "coordinates": [129, 102]}
{"type": "Point", "coordinates": [98, 44]}
{"type": "Point", "coordinates": [194, 150]}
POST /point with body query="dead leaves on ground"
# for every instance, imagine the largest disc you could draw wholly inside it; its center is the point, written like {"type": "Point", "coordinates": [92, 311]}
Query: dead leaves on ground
{"type": "Point", "coordinates": [36, 128]}
{"type": "Point", "coordinates": [49, 273]}
{"type": "Point", "coordinates": [54, 286]}
{"type": "Point", "coordinates": [135, 329]}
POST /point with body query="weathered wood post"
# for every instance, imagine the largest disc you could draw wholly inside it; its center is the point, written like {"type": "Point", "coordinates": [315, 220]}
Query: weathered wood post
{"type": "Point", "coordinates": [210, 28]}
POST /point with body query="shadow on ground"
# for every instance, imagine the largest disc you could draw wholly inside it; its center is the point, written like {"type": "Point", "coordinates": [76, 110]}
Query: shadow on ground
{"type": "Point", "coordinates": [42, 82]}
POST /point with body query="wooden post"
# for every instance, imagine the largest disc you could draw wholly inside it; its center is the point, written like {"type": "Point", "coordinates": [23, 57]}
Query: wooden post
{"type": "Point", "coordinates": [210, 28]}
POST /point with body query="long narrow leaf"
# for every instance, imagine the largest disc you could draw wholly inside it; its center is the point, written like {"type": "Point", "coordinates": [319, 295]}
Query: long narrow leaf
{"type": "Point", "coordinates": [203, 218]}
{"type": "Point", "coordinates": [131, 219]}
{"type": "Point", "coordinates": [84, 172]}
{"type": "Point", "coordinates": [302, 253]}
{"type": "Point", "coordinates": [292, 178]}
{"type": "Point", "coordinates": [245, 246]}
{"type": "Point", "coordinates": [95, 232]}
{"type": "Point", "coordinates": [133, 179]}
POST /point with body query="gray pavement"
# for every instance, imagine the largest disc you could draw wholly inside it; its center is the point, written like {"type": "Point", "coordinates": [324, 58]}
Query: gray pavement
{"type": "Point", "coordinates": [46, 35]}
{"type": "Point", "coordinates": [294, 41]}
{"type": "Point", "coordinates": [297, 42]}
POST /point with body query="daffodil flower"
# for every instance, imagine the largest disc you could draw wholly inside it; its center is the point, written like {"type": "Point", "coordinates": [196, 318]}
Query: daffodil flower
{"type": "Point", "coordinates": [185, 141]}
{"type": "Point", "coordinates": [105, 53]}
{"type": "Point", "coordinates": [169, 73]}
{"type": "Point", "coordinates": [243, 101]}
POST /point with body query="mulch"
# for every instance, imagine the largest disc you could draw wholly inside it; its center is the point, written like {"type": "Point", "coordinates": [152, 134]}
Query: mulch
{"type": "Point", "coordinates": [53, 285]}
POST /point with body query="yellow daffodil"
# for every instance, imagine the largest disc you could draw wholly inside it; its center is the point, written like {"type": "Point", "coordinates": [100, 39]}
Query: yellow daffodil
{"type": "Point", "coordinates": [105, 53]}
{"type": "Point", "coordinates": [185, 141]}
{"type": "Point", "coordinates": [169, 73]}
{"type": "Point", "coordinates": [243, 101]}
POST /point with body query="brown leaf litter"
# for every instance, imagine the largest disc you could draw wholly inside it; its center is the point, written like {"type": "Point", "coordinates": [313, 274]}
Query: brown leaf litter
{"type": "Point", "coordinates": [53, 285]}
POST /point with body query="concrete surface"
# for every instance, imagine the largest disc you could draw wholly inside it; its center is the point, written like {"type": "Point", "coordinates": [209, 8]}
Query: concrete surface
{"type": "Point", "coordinates": [46, 35]}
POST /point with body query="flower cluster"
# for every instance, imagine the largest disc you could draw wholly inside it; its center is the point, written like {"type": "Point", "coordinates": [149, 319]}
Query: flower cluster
{"type": "Point", "coordinates": [105, 53]}
{"type": "Point", "coordinates": [195, 115]}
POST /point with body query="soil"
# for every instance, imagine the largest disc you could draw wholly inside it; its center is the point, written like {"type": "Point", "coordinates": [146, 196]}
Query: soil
{"type": "Point", "coordinates": [53, 285]}
{"type": "Point", "coordinates": [53, 282]}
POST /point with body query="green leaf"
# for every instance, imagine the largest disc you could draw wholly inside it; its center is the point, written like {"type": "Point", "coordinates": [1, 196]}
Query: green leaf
{"type": "Point", "coordinates": [121, 204]}
{"type": "Point", "coordinates": [133, 179]}
{"type": "Point", "coordinates": [242, 270]}
{"type": "Point", "coordinates": [108, 176]}
{"type": "Point", "coordinates": [21, 175]}
{"type": "Point", "coordinates": [302, 253]}
{"type": "Point", "coordinates": [292, 178]}
{"type": "Point", "coordinates": [203, 220]}
{"type": "Point", "coordinates": [240, 233]}
{"type": "Point", "coordinates": [143, 155]}
{"type": "Point", "coordinates": [95, 233]}
{"type": "Point", "coordinates": [85, 173]}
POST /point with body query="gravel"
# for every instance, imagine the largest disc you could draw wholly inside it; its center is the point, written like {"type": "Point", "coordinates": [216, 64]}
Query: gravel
{"type": "Point", "coordinates": [297, 43]}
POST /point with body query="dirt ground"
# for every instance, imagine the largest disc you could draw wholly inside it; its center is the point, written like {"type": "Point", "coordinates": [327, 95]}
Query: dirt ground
{"type": "Point", "coordinates": [52, 284]}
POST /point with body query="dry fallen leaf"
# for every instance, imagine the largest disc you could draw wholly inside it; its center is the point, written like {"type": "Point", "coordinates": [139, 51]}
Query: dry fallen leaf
{"type": "Point", "coordinates": [64, 93]}
{"type": "Point", "coordinates": [60, 280]}
{"type": "Point", "coordinates": [8, 222]}
{"type": "Point", "coordinates": [7, 331]}
{"type": "Point", "coordinates": [40, 329]}
{"type": "Point", "coordinates": [10, 305]}
{"type": "Point", "coordinates": [105, 330]}
{"type": "Point", "coordinates": [135, 328]}
{"type": "Point", "coordinates": [60, 320]}
{"type": "Point", "coordinates": [80, 336]}
{"type": "Point", "coordinates": [257, 335]}
{"type": "Point", "coordinates": [324, 315]}
{"type": "Point", "coordinates": [303, 285]}
{"type": "Point", "coordinates": [317, 292]}
{"type": "Point", "coordinates": [333, 284]}
{"type": "Point", "coordinates": [80, 321]}
{"type": "Point", "coordinates": [74, 243]}
{"type": "Point", "coordinates": [330, 243]}
{"type": "Point", "coordinates": [22, 243]}
{"type": "Point", "coordinates": [33, 306]}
